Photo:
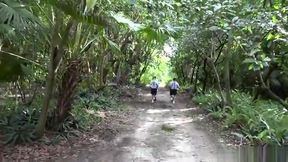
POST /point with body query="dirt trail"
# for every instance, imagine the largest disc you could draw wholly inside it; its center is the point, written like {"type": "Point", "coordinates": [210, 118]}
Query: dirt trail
{"type": "Point", "coordinates": [160, 132]}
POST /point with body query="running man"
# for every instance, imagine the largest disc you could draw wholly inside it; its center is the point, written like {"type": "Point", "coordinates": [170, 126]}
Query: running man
{"type": "Point", "coordinates": [174, 86]}
{"type": "Point", "coordinates": [154, 88]}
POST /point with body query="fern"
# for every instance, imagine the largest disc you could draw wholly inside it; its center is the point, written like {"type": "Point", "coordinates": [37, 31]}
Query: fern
{"type": "Point", "coordinates": [260, 121]}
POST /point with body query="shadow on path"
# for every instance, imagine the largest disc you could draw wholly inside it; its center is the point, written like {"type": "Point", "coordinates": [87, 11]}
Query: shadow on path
{"type": "Point", "coordinates": [160, 132]}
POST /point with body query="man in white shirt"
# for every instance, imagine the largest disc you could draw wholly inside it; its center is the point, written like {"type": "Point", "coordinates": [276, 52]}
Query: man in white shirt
{"type": "Point", "coordinates": [154, 88]}
{"type": "Point", "coordinates": [174, 86]}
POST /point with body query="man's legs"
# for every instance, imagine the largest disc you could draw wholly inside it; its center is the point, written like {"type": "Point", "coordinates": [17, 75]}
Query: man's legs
{"type": "Point", "coordinates": [173, 93]}
{"type": "Point", "coordinates": [174, 97]}
{"type": "Point", "coordinates": [154, 93]}
{"type": "Point", "coordinates": [156, 90]}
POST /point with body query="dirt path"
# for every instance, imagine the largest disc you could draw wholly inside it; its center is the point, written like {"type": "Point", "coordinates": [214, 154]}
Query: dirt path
{"type": "Point", "coordinates": [160, 132]}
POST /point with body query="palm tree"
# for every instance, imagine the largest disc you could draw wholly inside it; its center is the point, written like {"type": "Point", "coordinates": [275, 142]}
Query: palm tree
{"type": "Point", "coordinates": [77, 20]}
{"type": "Point", "coordinates": [72, 28]}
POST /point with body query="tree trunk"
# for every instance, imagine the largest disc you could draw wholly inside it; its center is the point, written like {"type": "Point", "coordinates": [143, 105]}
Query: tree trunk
{"type": "Point", "coordinates": [21, 92]}
{"type": "Point", "coordinates": [138, 79]}
{"type": "Point", "coordinates": [118, 76]}
{"type": "Point", "coordinates": [196, 80]}
{"type": "Point", "coordinates": [205, 76]}
{"type": "Point", "coordinates": [210, 62]}
{"type": "Point", "coordinates": [143, 70]}
{"type": "Point", "coordinates": [105, 75]}
{"type": "Point", "coordinates": [265, 78]}
{"type": "Point", "coordinates": [57, 49]}
{"type": "Point", "coordinates": [67, 89]}
{"type": "Point", "coordinates": [183, 75]}
{"type": "Point", "coordinates": [227, 73]}
{"type": "Point", "coordinates": [271, 93]}
{"type": "Point", "coordinates": [193, 72]}
{"type": "Point", "coordinates": [40, 127]}
{"type": "Point", "coordinates": [227, 82]}
{"type": "Point", "coordinates": [101, 70]}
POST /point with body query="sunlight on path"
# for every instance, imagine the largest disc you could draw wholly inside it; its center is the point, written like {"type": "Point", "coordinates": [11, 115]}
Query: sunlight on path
{"type": "Point", "coordinates": [166, 132]}
{"type": "Point", "coordinates": [161, 132]}
{"type": "Point", "coordinates": [153, 111]}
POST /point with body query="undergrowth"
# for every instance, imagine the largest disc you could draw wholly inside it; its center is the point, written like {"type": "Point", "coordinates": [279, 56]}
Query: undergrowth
{"type": "Point", "coordinates": [260, 121]}
{"type": "Point", "coordinates": [17, 122]}
{"type": "Point", "coordinates": [89, 104]}
{"type": "Point", "coordinates": [18, 126]}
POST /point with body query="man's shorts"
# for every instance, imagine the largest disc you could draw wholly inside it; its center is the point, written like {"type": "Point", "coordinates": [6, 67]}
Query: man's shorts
{"type": "Point", "coordinates": [153, 91]}
{"type": "Point", "coordinates": [173, 92]}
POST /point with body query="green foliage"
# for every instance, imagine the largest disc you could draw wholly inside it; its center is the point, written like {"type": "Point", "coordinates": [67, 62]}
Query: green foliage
{"type": "Point", "coordinates": [10, 68]}
{"type": "Point", "coordinates": [18, 126]}
{"type": "Point", "coordinates": [237, 28]}
{"type": "Point", "coordinates": [71, 8]}
{"type": "Point", "coordinates": [117, 40]}
{"type": "Point", "coordinates": [70, 127]}
{"type": "Point", "coordinates": [260, 121]}
{"type": "Point", "coordinates": [15, 14]}
{"type": "Point", "coordinates": [104, 37]}
{"type": "Point", "coordinates": [159, 67]}
{"type": "Point", "coordinates": [133, 26]}
{"type": "Point", "coordinates": [211, 101]}
{"type": "Point", "coordinates": [89, 104]}
{"type": "Point", "coordinates": [9, 105]}
{"type": "Point", "coordinates": [87, 118]}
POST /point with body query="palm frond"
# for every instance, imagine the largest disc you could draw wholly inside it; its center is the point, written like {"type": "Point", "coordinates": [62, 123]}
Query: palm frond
{"type": "Point", "coordinates": [158, 34]}
{"type": "Point", "coordinates": [15, 14]}
{"type": "Point", "coordinates": [21, 58]}
{"type": "Point", "coordinates": [152, 34]}
{"type": "Point", "coordinates": [71, 8]}
{"type": "Point", "coordinates": [6, 31]}
{"type": "Point", "coordinates": [112, 45]}
{"type": "Point", "coordinates": [123, 20]}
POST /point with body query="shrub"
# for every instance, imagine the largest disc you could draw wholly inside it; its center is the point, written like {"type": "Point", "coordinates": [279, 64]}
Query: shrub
{"type": "Point", "coordinates": [89, 103]}
{"type": "Point", "coordinates": [18, 126]}
{"type": "Point", "coordinates": [210, 101]}
{"type": "Point", "coordinates": [262, 121]}
{"type": "Point", "coordinates": [7, 105]}
{"type": "Point", "coordinates": [85, 118]}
